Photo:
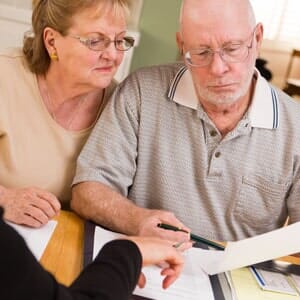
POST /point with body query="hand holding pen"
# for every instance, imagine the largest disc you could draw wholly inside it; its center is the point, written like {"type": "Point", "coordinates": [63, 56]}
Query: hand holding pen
{"type": "Point", "coordinates": [147, 226]}
{"type": "Point", "coordinates": [193, 237]}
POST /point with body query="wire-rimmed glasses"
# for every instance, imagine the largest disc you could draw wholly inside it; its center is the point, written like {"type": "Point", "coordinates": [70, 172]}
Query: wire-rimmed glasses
{"type": "Point", "coordinates": [99, 41]}
{"type": "Point", "coordinates": [232, 52]}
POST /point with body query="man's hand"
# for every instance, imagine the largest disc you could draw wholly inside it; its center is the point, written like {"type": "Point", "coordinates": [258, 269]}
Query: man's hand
{"type": "Point", "coordinates": [33, 207]}
{"type": "Point", "coordinates": [148, 226]}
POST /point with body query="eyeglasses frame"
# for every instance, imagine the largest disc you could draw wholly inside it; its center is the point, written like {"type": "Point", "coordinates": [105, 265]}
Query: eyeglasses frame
{"type": "Point", "coordinates": [87, 41]}
{"type": "Point", "coordinates": [219, 51]}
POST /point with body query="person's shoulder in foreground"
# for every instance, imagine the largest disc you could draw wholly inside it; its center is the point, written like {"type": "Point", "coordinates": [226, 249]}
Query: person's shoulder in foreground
{"type": "Point", "coordinates": [24, 278]}
{"type": "Point", "coordinates": [112, 275]}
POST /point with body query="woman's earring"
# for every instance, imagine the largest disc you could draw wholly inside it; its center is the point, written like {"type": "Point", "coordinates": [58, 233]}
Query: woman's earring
{"type": "Point", "coordinates": [53, 56]}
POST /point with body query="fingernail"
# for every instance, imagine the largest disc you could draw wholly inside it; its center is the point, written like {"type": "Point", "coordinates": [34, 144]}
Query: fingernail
{"type": "Point", "coordinates": [177, 245]}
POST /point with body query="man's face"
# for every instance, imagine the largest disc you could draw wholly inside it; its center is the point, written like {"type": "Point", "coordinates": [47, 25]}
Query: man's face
{"type": "Point", "coordinates": [223, 79]}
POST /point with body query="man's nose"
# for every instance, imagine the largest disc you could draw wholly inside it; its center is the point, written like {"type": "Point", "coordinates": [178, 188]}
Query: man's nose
{"type": "Point", "coordinates": [217, 65]}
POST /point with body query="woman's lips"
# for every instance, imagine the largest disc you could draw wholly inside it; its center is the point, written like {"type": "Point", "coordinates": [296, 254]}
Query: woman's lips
{"type": "Point", "coordinates": [105, 69]}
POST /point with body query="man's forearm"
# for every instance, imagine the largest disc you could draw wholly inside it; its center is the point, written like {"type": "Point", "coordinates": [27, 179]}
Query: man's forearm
{"type": "Point", "coordinates": [99, 203]}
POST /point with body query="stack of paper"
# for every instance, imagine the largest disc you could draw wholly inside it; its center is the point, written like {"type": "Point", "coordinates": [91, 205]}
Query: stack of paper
{"type": "Point", "coordinates": [36, 238]}
{"type": "Point", "coordinates": [193, 284]}
{"type": "Point", "coordinates": [267, 246]}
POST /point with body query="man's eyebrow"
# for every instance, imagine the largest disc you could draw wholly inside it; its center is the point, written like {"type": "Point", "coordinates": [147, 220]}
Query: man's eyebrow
{"type": "Point", "coordinates": [231, 42]}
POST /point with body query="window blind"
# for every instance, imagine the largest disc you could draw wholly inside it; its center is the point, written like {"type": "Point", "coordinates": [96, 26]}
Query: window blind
{"type": "Point", "coordinates": [281, 19]}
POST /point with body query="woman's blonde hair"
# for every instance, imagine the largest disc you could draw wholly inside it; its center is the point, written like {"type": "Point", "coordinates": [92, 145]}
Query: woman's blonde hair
{"type": "Point", "coordinates": [58, 14]}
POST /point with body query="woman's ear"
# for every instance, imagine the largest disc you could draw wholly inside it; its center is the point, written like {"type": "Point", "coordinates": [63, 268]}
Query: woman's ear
{"type": "Point", "coordinates": [49, 36]}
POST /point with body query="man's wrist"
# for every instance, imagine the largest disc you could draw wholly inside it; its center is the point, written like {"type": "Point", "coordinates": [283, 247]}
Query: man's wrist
{"type": "Point", "coordinates": [141, 215]}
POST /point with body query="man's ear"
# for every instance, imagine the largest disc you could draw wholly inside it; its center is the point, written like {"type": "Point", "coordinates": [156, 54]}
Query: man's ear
{"type": "Point", "coordinates": [179, 43]}
{"type": "Point", "coordinates": [259, 34]}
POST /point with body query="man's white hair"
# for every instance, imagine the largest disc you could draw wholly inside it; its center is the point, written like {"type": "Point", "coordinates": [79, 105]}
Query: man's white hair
{"type": "Point", "coordinates": [251, 14]}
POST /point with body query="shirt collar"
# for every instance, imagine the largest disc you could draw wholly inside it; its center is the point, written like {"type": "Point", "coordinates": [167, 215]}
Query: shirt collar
{"type": "Point", "coordinates": [263, 112]}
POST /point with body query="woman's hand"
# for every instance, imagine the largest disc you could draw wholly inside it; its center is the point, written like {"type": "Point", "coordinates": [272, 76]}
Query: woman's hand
{"type": "Point", "coordinates": [33, 207]}
{"type": "Point", "coordinates": [161, 252]}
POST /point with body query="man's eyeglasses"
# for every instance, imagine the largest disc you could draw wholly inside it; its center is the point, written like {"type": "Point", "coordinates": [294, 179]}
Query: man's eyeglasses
{"type": "Point", "coordinates": [233, 52]}
{"type": "Point", "coordinates": [100, 42]}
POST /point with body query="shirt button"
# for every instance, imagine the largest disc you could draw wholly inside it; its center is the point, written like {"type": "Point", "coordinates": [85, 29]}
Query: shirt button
{"type": "Point", "coordinates": [217, 154]}
{"type": "Point", "coordinates": [213, 133]}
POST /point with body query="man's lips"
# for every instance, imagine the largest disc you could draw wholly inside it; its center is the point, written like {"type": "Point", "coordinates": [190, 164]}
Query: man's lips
{"type": "Point", "coordinates": [220, 86]}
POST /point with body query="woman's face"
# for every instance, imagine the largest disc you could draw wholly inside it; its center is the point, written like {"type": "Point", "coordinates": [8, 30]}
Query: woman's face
{"type": "Point", "coordinates": [81, 66]}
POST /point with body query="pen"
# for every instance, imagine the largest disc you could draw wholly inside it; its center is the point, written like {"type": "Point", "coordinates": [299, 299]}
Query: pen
{"type": "Point", "coordinates": [193, 237]}
{"type": "Point", "coordinates": [260, 279]}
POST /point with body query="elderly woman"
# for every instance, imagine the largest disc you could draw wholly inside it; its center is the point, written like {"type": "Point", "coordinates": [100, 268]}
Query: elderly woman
{"type": "Point", "coordinates": [51, 95]}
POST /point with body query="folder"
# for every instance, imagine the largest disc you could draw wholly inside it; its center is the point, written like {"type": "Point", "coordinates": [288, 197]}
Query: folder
{"type": "Point", "coordinates": [221, 288]}
{"type": "Point", "coordinates": [247, 288]}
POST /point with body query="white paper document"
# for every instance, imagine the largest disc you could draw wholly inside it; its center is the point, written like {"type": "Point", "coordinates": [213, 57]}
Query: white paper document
{"type": "Point", "coordinates": [193, 284]}
{"type": "Point", "coordinates": [267, 246]}
{"type": "Point", "coordinates": [36, 238]}
{"type": "Point", "coordinates": [273, 281]}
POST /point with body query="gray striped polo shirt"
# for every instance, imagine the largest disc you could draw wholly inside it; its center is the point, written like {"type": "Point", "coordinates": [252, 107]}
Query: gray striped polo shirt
{"type": "Point", "coordinates": [155, 145]}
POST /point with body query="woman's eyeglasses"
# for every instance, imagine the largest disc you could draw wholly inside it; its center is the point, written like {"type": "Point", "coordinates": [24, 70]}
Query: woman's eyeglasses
{"type": "Point", "coordinates": [99, 41]}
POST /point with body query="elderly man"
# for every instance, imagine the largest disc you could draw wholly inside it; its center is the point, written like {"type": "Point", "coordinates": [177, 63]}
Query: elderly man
{"type": "Point", "coordinates": [209, 146]}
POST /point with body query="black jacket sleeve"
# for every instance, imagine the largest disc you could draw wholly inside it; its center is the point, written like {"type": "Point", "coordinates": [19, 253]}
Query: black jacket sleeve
{"type": "Point", "coordinates": [112, 276]}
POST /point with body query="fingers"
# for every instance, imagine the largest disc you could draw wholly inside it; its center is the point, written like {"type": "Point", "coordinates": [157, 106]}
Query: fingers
{"type": "Point", "coordinates": [41, 207]}
{"type": "Point", "coordinates": [142, 280]}
{"type": "Point", "coordinates": [30, 206]}
{"type": "Point", "coordinates": [51, 205]}
{"type": "Point", "coordinates": [149, 226]}
{"type": "Point", "coordinates": [182, 246]}
{"type": "Point", "coordinates": [164, 250]}
{"type": "Point", "coordinates": [176, 236]}
{"type": "Point", "coordinates": [28, 221]}
{"type": "Point", "coordinates": [172, 220]}
{"type": "Point", "coordinates": [173, 266]}
{"type": "Point", "coordinates": [34, 216]}
{"type": "Point", "coordinates": [155, 251]}
{"type": "Point", "coordinates": [171, 274]}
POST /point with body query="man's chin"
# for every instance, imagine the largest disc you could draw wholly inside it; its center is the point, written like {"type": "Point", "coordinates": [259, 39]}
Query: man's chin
{"type": "Point", "coordinates": [221, 99]}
